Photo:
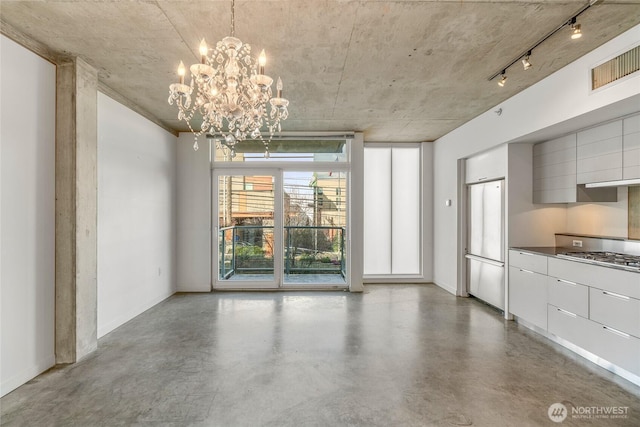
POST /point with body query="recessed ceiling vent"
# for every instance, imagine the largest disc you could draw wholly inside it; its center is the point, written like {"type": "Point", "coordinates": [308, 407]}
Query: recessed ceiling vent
{"type": "Point", "coordinates": [616, 68]}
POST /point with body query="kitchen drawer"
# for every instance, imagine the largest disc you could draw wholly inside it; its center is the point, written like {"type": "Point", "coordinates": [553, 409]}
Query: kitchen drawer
{"type": "Point", "coordinates": [486, 282]}
{"type": "Point", "coordinates": [528, 261]}
{"type": "Point", "coordinates": [606, 278]}
{"type": "Point", "coordinates": [568, 295]}
{"type": "Point", "coordinates": [528, 296]}
{"type": "Point", "coordinates": [618, 311]}
{"type": "Point", "coordinates": [569, 326]}
{"type": "Point", "coordinates": [621, 349]}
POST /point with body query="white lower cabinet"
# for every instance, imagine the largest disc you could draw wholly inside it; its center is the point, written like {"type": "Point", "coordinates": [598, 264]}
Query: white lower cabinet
{"type": "Point", "coordinates": [568, 295]}
{"type": "Point", "coordinates": [528, 296]}
{"type": "Point", "coordinates": [592, 307]}
{"type": "Point", "coordinates": [614, 346]}
{"type": "Point", "coordinates": [618, 311]}
{"type": "Point", "coordinates": [569, 326]}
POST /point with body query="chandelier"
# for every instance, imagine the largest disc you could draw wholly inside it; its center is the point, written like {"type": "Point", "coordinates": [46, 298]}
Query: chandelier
{"type": "Point", "coordinates": [231, 93]}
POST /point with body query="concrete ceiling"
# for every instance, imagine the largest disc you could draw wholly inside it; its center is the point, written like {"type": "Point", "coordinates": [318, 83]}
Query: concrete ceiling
{"type": "Point", "coordinates": [396, 70]}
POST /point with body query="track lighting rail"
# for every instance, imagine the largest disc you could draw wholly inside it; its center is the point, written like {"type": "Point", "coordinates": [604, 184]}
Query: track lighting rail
{"type": "Point", "coordinates": [570, 21]}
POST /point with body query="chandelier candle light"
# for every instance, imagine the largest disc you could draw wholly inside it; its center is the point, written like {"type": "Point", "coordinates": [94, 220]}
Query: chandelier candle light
{"type": "Point", "coordinates": [232, 94]}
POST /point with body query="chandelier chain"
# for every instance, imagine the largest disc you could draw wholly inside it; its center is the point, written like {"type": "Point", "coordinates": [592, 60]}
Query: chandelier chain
{"type": "Point", "coordinates": [233, 18]}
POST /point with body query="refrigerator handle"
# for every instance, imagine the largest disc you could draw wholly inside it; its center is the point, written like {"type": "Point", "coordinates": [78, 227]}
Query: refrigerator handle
{"type": "Point", "coordinates": [485, 260]}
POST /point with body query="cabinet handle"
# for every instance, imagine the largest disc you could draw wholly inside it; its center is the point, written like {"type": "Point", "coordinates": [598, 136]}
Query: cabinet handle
{"type": "Point", "coordinates": [615, 331]}
{"type": "Point", "coordinates": [525, 253]}
{"type": "Point", "coordinates": [482, 179]}
{"type": "Point", "coordinates": [612, 294]}
{"type": "Point", "coordinates": [568, 313]}
{"type": "Point", "coordinates": [526, 271]}
{"type": "Point", "coordinates": [567, 282]}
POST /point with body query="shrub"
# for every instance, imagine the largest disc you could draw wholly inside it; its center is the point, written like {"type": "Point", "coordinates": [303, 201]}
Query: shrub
{"type": "Point", "coordinates": [249, 251]}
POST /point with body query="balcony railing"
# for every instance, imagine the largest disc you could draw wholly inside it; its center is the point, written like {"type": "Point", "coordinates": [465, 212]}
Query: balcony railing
{"type": "Point", "coordinates": [248, 249]}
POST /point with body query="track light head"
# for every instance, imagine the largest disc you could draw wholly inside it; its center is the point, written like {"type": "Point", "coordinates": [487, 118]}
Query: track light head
{"type": "Point", "coordinates": [525, 61]}
{"type": "Point", "coordinates": [576, 32]}
{"type": "Point", "coordinates": [503, 79]}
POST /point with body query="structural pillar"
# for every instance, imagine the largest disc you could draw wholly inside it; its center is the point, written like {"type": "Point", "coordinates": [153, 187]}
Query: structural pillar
{"type": "Point", "coordinates": [76, 211]}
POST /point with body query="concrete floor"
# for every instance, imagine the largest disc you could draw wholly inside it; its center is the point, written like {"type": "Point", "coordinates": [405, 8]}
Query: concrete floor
{"type": "Point", "coordinates": [394, 356]}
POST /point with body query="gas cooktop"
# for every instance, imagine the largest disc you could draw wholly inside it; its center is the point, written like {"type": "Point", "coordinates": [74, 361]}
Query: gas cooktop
{"type": "Point", "coordinates": [630, 262]}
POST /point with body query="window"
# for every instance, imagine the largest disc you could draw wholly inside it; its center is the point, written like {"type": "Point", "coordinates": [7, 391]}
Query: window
{"type": "Point", "coordinates": [393, 214]}
{"type": "Point", "coordinates": [280, 221]}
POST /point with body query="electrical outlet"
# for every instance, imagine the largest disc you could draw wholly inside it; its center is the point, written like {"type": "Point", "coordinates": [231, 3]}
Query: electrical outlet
{"type": "Point", "coordinates": [577, 243]}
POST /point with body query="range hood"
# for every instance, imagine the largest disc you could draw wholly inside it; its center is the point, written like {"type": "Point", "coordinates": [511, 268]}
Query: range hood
{"type": "Point", "coordinates": [620, 183]}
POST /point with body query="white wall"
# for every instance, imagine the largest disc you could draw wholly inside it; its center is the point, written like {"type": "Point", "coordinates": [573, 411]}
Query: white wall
{"type": "Point", "coordinates": [137, 204]}
{"type": "Point", "coordinates": [560, 98]}
{"type": "Point", "coordinates": [194, 216]}
{"type": "Point", "coordinates": [529, 224]}
{"type": "Point", "coordinates": [27, 214]}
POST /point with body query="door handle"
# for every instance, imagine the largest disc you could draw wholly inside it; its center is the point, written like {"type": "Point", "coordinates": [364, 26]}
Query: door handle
{"type": "Point", "coordinates": [615, 331]}
{"type": "Point", "coordinates": [484, 260]}
{"type": "Point", "coordinates": [612, 294]}
{"type": "Point", "coordinates": [568, 313]}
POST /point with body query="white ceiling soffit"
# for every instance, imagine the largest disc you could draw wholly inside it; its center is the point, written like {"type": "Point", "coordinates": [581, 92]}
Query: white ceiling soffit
{"type": "Point", "coordinates": [395, 70]}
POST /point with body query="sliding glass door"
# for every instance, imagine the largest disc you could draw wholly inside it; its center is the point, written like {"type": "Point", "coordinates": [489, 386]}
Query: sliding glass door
{"type": "Point", "coordinates": [315, 221]}
{"type": "Point", "coordinates": [245, 230]}
{"type": "Point", "coordinates": [281, 221]}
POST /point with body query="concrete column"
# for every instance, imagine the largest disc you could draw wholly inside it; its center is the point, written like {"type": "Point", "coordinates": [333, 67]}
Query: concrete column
{"type": "Point", "coordinates": [76, 211]}
{"type": "Point", "coordinates": [357, 213]}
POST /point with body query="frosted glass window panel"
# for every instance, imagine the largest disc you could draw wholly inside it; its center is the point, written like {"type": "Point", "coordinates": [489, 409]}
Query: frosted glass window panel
{"type": "Point", "coordinates": [377, 211]}
{"type": "Point", "coordinates": [406, 217]}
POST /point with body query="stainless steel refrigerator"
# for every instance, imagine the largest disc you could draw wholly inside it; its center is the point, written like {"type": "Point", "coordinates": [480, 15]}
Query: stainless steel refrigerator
{"type": "Point", "coordinates": [485, 242]}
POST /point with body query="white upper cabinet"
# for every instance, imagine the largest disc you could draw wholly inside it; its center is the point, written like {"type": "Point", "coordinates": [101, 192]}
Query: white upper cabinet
{"type": "Point", "coordinates": [554, 170]}
{"type": "Point", "coordinates": [487, 166]}
{"type": "Point", "coordinates": [631, 147]}
{"type": "Point", "coordinates": [599, 153]}
{"type": "Point", "coordinates": [555, 174]}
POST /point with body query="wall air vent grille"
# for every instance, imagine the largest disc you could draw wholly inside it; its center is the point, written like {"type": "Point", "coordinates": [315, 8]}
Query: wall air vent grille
{"type": "Point", "coordinates": [616, 68]}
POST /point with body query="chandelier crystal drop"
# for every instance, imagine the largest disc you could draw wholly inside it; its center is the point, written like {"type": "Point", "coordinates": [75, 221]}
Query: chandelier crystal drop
{"type": "Point", "coordinates": [231, 93]}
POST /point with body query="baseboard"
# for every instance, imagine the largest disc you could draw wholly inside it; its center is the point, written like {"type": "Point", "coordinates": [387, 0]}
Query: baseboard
{"type": "Point", "coordinates": [451, 290]}
{"type": "Point", "coordinates": [133, 312]}
{"type": "Point", "coordinates": [27, 374]}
